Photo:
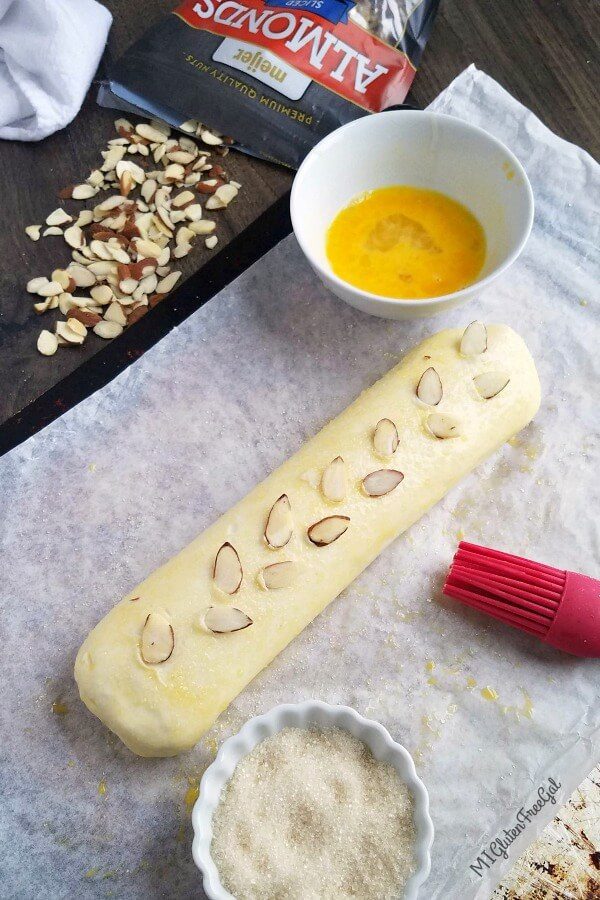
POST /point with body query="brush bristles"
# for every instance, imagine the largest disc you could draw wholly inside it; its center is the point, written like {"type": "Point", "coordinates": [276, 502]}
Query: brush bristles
{"type": "Point", "coordinates": [515, 590]}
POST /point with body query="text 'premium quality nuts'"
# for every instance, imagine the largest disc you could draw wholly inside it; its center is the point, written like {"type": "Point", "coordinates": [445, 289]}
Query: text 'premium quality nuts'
{"type": "Point", "coordinates": [277, 75]}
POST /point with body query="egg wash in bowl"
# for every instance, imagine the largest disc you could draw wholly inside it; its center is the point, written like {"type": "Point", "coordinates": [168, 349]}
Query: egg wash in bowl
{"type": "Point", "coordinates": [406, 242]}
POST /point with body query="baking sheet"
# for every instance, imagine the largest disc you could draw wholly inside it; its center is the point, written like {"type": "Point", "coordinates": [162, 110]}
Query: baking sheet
{"type": "Point", "coordinates": [115, 487]}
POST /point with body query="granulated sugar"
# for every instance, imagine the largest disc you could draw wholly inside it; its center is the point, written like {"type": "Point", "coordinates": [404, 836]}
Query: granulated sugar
{"type": "Point", "coordinates": [312, 815]}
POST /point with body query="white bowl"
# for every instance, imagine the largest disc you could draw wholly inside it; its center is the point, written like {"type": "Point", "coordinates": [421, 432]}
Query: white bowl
{"type": "Point", "coordinates": [425, 150]}
{"type": "Point", "coordinates": [311, 712]}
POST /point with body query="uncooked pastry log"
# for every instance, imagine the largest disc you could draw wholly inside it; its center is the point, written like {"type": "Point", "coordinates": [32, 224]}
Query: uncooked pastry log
{"type": "Point", "coordinates": [162, 709]}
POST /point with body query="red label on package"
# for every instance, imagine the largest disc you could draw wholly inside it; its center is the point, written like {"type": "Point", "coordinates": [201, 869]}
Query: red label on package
{"type": "Point", "coordinates": [343, 57]}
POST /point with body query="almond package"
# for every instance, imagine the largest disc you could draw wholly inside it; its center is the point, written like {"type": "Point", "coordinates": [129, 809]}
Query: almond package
{"type": "Point", "coordinates": [274, 75]}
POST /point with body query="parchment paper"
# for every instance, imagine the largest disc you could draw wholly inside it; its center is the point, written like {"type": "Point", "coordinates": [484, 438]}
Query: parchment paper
{"type": "Point", "coordinates": [111, 490]}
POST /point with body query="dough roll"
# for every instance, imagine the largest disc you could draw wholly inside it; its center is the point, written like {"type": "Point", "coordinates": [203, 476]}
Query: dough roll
{"type": "Point", "coordinates": [162, 665]}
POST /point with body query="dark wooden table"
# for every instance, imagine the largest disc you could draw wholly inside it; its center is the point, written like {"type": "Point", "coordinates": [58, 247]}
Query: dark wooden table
{"type": "Point", "coordinates": [543, 51]}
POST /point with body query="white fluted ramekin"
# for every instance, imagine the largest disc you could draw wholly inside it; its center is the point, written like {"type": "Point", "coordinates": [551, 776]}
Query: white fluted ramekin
{"type": "Point", "coordinates": [311, 712]}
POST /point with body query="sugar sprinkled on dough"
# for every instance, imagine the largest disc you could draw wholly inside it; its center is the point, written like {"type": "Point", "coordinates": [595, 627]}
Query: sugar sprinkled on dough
{"type": "Point", "coordinates": [312, 814]}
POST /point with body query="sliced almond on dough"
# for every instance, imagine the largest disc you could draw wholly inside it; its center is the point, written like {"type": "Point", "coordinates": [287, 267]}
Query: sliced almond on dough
{"type": "Point", "coordinates": [385, 438]}
{"type": "Point", "coordinates": [227, 571]}
{"type": "Point", "coordinates": [280, 525]}
{"type": "Point", "coordinates": [225, 619]}
{"type": "Point", "coordinates": [429, 388]}
{"type": "Point", "coordinates": [489, 384]}
{"type": "Point", "coordinates": [279, 575]}
{"type": "Point", "coordinates": [158, 639]}
{"type": "Point", "coordinates": [334, 482]}
{"type": "Point", "coordinates": [381, 482]}
{"type": "Point", "coordinates": [474, 339]}
{"type": "Point", "coordinates": [442, 426]}
{"type": "Point", "coordinates": [328, 530]}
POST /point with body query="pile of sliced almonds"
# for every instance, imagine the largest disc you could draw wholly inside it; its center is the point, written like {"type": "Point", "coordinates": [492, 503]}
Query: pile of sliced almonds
{"type": "Point", "coordinates": [124, 248]}
{"type": "Point", "coordinates": [157, 635]}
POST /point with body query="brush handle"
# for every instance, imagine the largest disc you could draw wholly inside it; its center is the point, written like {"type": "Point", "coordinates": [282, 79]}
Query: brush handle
{"type": "Point", "coordinates": [576, 625]}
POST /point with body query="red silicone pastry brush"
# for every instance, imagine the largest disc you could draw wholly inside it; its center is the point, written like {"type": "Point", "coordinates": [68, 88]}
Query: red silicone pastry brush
{"type": "Point", "coordinates": [559, 607]}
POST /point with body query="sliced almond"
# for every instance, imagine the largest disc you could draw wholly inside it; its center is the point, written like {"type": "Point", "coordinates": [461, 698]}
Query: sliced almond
{"type": "Point", "coordinates": [385, 438]}
{"type": "Point", "coordinates": [47, 343]}
{"type": "Point", "coordinates": [81, 276]}
{"type": "Point", "coordinates": [67, 334]}
{"type": "Point", "coordinates": [34, 284]}
{"type": "Point", "coordinates": [489, 384]}
{"type": "Point", "coordinates": [203, 226]}
{"type": "Point", "coordinates": [328, 530]}
{"type": "Point", "coordinates": [58, 217]}
{"type": "Point", "coordinates": [95, 178]}
{"type": "Point", "coordinates": [86, 316]}
{"type": "Point", "coordinates": [213, 140]}
{"type": "Point", "coordinates": [190, 126]}
{"type": "Point", "coordinates": [74, 237]}
{"type": "Point", "coordinates": [114, 313]}
{"type": "Point", "coordinates": [158, 639]}
{"type": "Point", "coordinates": [148, 189]}
{"type": "Point", "coordinates": [184, 198]}
{"type": "Point", "coordinates": [77, 326]}
{"type": "Point", "coordinates": [100, 250]}
{"type": "Point", "coordinates": [442, 426]}
{"type": "Point", "coordinates": [183, 157]}
{"type": "Point", "coordinates": [474, 339]}
{"type": "Point", "coordinates": [65, 302]}
{"type": "Point", "coordinates": [168, 283]}
{"type": "Point", "coordinates": [33, 232]}
{"type": "Point", "coordinates": [62, 277]}
{"type": "Point", "coordinates": [211, 242]}
{"type": "Point", "coordinates": [116, 201]}
{"type": "Point", "coordinates": [334, 482]}
{"type": "Point", "coordinates": [128, 285]}
{"type": "Point", "coordinates": [112, 157]}
{"type": "Point", "coordinates": [225, 619]}
{"type": "Point", "coordinates": [50, 289]}
{"type": "Point", "coordinates": [108, 330]}
{"type": "Point", "coordinates": [86, 216]}
{"type": "Point", "coordinates": [381, 482]}
{"type": "Point", "coordinates": [102, 268]}
{"type": "Point", "coordinates": [150, 133]}
{"type": "Point", "coordinates": [429, 388]}
{"type": "Point", "coordinates": [148, 248]}
{"type": "Point", "coordinates": [222, 196]}
{"type": "Point", "coordinates": [43, 305]}
{"type": "Point", "coordinates": [184, 235]}
{"type": "Point", "coordinates": [164, 257]}
{"type": "Point", "coordinates": [127, 165]}
{"type": "Point", "coordinates": [181, 250]}
{"type": "Point", "coordinates": [84, 191]}
{"type": "Point", "coordinates": [173, 173]}
{"type": "Point", "coordinates": [52, 230]}
{"type": "Point", "coordinates": [193, 212]}
{"type": "Point", "coordinates": [279, 575]}
{"type": "Point", "coordinates": [280, 525]}
{"type": "Point", "coordinates": [102, 294]}
{"type": "Point", "coordinates": [227, 571]}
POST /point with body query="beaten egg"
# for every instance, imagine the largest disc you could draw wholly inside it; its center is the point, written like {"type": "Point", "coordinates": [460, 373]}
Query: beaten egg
{"type": "Point", "coordinates": [406, 242]}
